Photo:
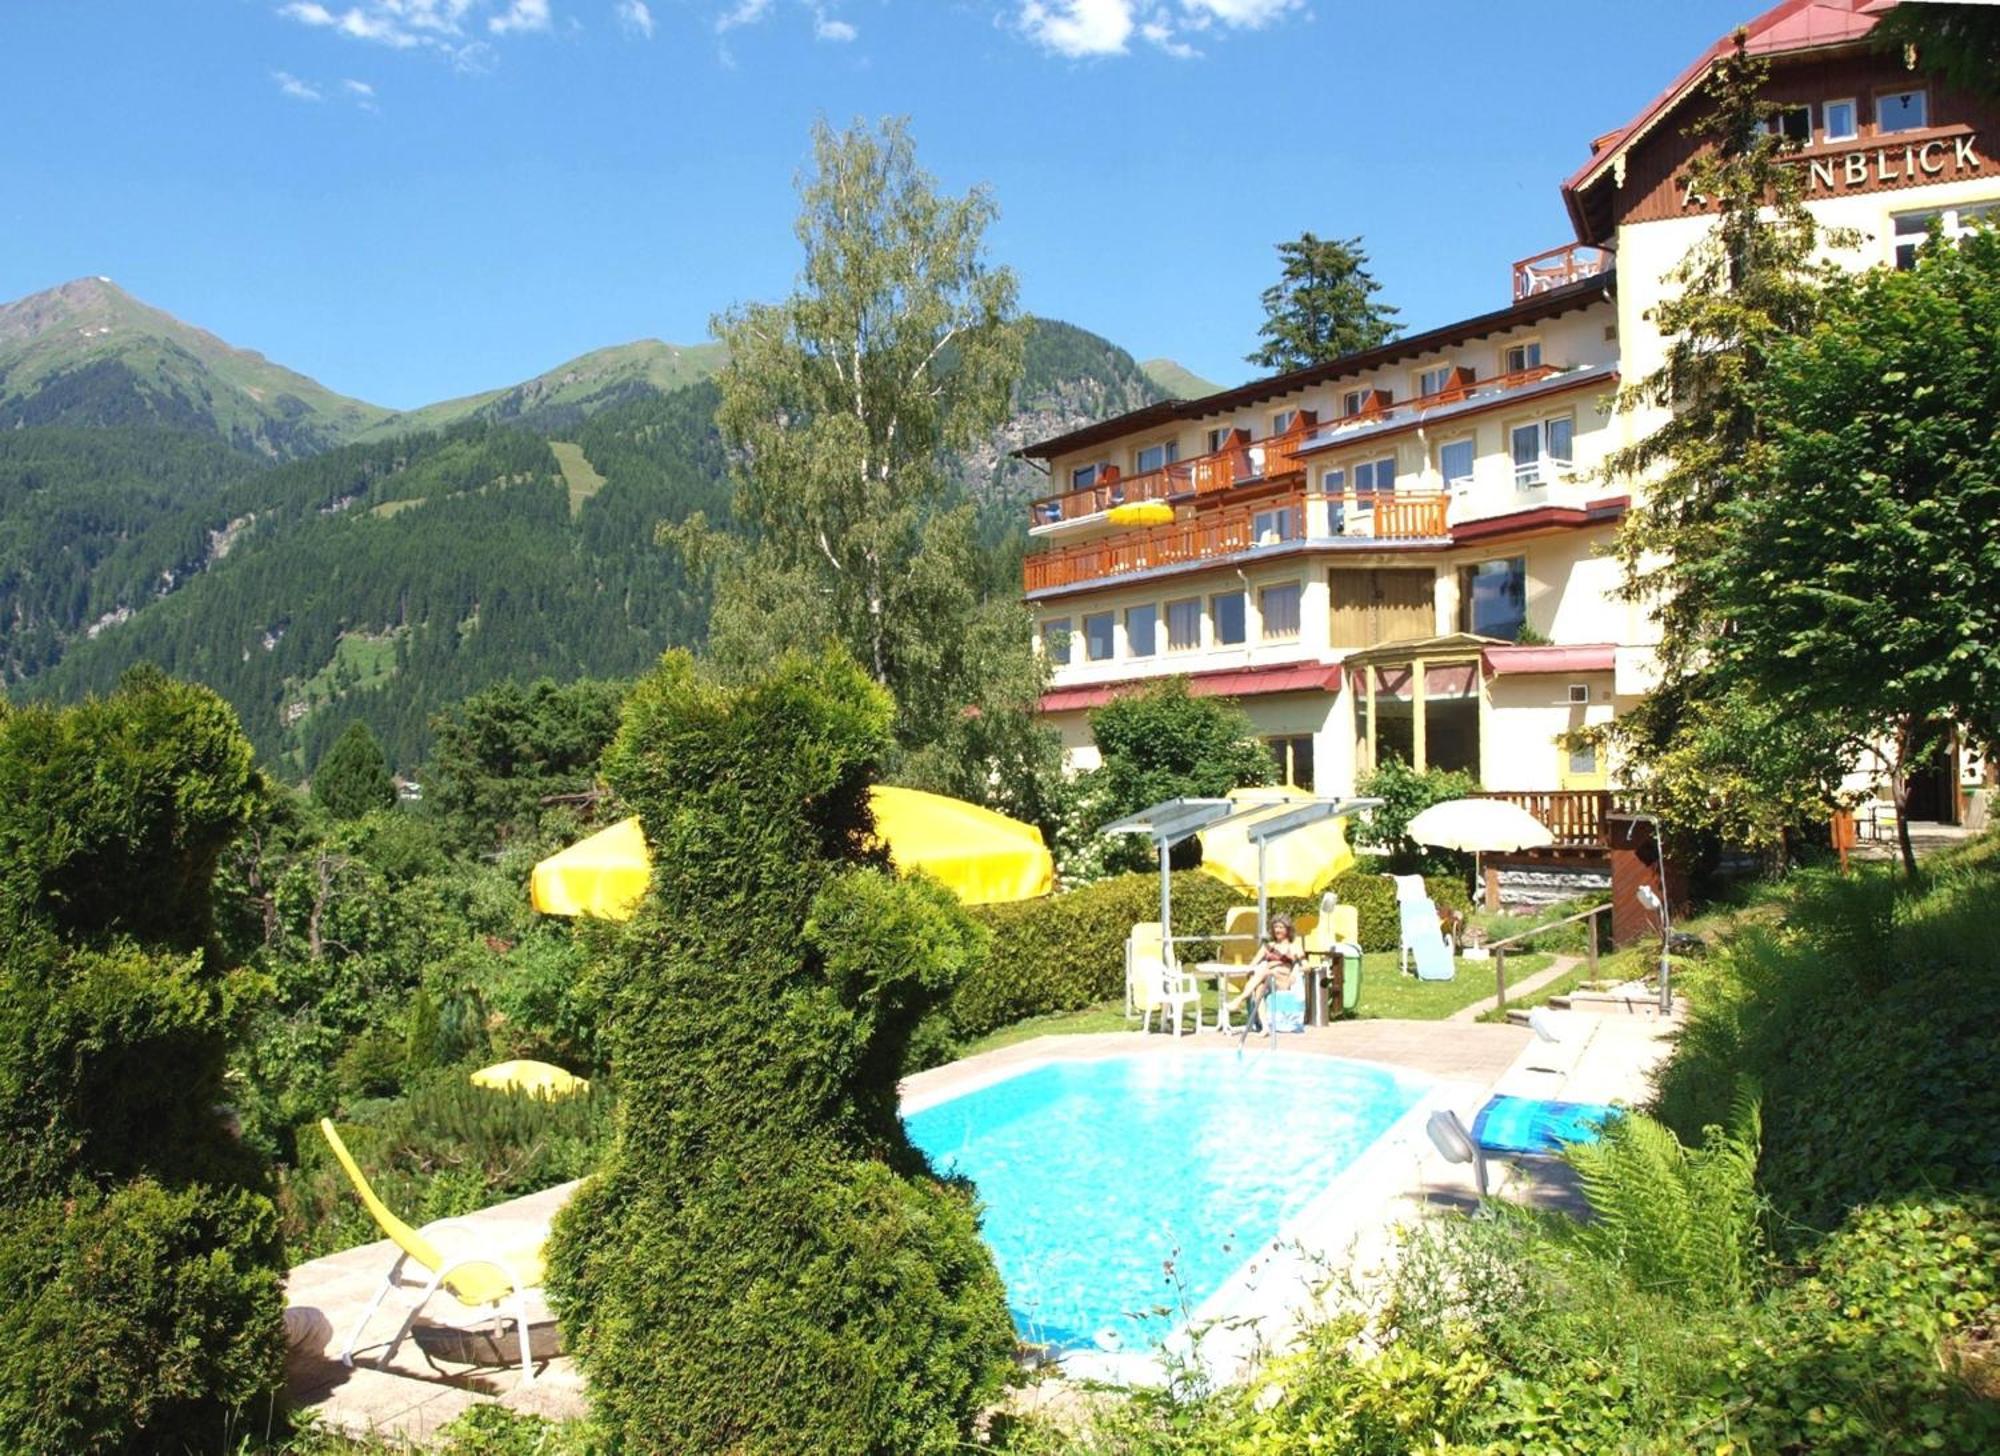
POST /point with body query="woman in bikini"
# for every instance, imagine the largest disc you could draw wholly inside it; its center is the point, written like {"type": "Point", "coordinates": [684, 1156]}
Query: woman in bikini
{"type": "Point", "coordinates": [1277, 961]}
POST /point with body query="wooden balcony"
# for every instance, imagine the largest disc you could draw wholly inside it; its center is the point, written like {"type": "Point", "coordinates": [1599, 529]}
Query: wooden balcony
{"type": "Point", "coordinates": [1409, 517]}
{"type": "Point", "coordinates": [1203, 537]}
{"type": "Point", "coordinates": [1557, 268]}
{"type": "Point", "coordinates": [1266, 460]}
{"type": "Point", "coordinates": [1576, 817]}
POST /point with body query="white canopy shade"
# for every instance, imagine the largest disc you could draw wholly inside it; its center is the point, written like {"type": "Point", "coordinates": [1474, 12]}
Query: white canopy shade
{"type": "Point", "coordinates": [1480, 826]}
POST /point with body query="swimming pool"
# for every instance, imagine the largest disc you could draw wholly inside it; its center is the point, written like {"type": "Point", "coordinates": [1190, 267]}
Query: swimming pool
{"type": "Point", "coordinates": [1121, 1192]}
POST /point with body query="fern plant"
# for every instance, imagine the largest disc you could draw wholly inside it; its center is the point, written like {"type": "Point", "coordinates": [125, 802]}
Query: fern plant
{"type": "Point", "coordinates": [1680, 1221]}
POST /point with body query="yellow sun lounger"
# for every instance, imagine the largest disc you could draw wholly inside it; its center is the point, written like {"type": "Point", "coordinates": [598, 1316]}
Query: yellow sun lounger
{"type": "Point", "coordinates": [472, 1274]}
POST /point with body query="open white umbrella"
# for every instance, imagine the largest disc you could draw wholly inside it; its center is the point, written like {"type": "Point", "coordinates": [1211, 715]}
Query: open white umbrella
{"type": "Point", "coordinates": [1481, 826]}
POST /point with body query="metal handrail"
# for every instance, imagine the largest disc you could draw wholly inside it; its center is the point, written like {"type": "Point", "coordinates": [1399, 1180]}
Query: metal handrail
{"type": "Point", "coordinates": [1498, 949]}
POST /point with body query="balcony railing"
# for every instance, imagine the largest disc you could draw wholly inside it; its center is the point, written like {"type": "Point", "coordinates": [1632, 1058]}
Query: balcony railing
{"type": "Point", "coordinates": [1558, 266]}
{"type": "Point", "coordinates": [1410, 517]}
{"type": "Point", "coordinates": [1211, 534]}
{"type": "Point", "coordinates": [1268, 459]}
{"type": "Point", "coordinates": [1576, 817]}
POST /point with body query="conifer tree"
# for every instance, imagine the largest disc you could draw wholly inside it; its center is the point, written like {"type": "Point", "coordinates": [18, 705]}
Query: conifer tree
{"type": "Point", "coordinates": [1322, 306]}
{"type": "Point", "coordinates": [353, 779]}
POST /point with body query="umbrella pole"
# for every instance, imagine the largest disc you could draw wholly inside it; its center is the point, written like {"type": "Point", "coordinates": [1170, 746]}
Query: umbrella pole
{"type": "Point", "coordinates": [1166, 907]}
{"type": "Point", "coordinates": [1263, 895]}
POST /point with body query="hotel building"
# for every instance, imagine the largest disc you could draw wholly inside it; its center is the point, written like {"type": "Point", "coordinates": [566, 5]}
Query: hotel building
{"type": "Point", "coordinates": [1404, 552]}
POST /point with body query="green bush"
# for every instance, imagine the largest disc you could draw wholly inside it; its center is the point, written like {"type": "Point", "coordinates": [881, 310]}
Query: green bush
{"type": "Point", "coordinates": [140, 1270]}
{"type": "Point", "coordinates": [764, 1263]}
{"type": "Point", "coordinates": [1406, 793]}
{"type": "Point", "coordinates": [1067, 951]}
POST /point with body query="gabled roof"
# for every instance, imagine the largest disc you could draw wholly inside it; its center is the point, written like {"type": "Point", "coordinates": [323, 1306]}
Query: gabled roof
{"type": "Point", "coordinates": [1791, 26]}
{"type": "Point", "coordinates": [1532, 309]}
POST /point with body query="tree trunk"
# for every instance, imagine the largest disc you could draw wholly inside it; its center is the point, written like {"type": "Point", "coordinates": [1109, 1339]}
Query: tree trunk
{"type": "Point", "coordinates": [1899, 787]}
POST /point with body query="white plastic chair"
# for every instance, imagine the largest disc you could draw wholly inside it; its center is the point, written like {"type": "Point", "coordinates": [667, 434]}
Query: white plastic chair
{"type": "Point", "coordinates": [1159, 988]}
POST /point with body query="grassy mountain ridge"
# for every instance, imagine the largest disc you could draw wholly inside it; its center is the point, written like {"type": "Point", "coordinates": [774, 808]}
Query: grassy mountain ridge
{"type": "Point", "coordinates": [1177, 381]}
{"type": "Point", "coordinates": [89, 354]}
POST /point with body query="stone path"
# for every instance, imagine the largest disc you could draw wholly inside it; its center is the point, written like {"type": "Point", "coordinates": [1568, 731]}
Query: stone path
{"type": "Point", "coordinates": [1562, 965]}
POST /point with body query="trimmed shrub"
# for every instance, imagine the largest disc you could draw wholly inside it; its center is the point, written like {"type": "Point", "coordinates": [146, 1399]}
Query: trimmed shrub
{"type": "Point", "coordinates": [765, 1264]}
{"type": "Point", "coordinates": [140, 1270]}
{"type": "Point", "coordinates": [1068, 951]}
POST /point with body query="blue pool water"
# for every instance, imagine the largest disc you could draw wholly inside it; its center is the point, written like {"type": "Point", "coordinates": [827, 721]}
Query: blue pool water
{"type": "Point", "coordinates": [1120, 1193]}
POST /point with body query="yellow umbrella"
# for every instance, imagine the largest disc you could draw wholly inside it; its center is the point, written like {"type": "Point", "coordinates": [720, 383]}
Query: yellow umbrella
{"type": "Point", "coordinates": [1140, 513]}
{"type": "Point", "coordinates": [540, 1079]}
{"type": "Point", "coordinates": [1301, 863]}
{"type": "Point", "coordinates": [604, 876]}
{"type": "Point", "coordinates": [984, 857]}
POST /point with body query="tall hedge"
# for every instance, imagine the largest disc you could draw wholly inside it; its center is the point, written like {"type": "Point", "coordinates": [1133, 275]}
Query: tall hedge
{"type": "Point", "coordinates": [1067, 951]}
{"type": "Point", "coordinates": [764, 1264]}
{"type": "Point", "coordinates": [140, 1271]}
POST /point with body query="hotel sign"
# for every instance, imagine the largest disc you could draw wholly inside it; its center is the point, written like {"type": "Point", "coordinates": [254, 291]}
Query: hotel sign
{"type": "Point", "coordinates": [1870, 169]}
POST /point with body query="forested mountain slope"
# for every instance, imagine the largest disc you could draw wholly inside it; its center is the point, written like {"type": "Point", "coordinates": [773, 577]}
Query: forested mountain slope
{"type": "Point", "coordinates": [384, 581]}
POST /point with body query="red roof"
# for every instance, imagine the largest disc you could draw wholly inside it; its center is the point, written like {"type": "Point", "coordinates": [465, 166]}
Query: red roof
{"type": "Point", "coordinates": [1794, 25]}
{"type": "Point", "coordinates": [1247, 682]}
{"type": "Point", "coordinates": [1501, 661]}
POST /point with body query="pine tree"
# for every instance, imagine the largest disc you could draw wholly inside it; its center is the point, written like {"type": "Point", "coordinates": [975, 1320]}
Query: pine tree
{"type": "Point", "coordinates": [1322, 306]}
{"type": "Point", "coordinates": [353, 779]}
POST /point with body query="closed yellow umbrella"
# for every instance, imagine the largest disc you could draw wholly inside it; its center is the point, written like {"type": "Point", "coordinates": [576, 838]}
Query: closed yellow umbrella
{"type": "Point", "coordinates": [1140, 513]}
{"type": "Point", "coordinates": [1300, 863]}
{"type": "Point", "coordinates": [984, 857]}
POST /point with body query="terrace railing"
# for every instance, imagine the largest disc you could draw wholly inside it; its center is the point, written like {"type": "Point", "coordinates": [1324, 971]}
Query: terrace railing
{"type": "Point", "coordinates": [1211, 534]}
{"type": "Point", "coordinates": [1570, 263]}
{"type": "Point", "coordinates": [1576, 817]}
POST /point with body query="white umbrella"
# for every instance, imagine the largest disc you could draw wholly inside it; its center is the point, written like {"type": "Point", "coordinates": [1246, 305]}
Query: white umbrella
{"type": "Point", "coordinates": [1479, 825]}
{"type": "Point", "coordinates": [1483, 826]}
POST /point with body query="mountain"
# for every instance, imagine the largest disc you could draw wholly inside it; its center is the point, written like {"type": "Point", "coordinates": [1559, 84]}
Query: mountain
{"type": "Point", "coordinates": [1175, 381]}
{"type": "Point", "coordinates": [89, 354]}
{"type": "Point", "coordinates": [572, 391]}
{"type": "Point", "coordinates": [149, 513]}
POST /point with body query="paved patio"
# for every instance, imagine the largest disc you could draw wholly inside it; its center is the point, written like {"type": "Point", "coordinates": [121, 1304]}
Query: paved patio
{"type": "Point", "coordinates": [450, 1361]}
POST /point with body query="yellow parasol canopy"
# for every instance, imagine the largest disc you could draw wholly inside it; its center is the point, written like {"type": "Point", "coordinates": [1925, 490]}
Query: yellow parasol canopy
{"type": "Point", "coordinates": [540, 1079]}
{"type": "Point", "coordinates": [603, 876]}
{"type": "Point", "coordinates": [985, 858]}
{"type": "Point", "coordinates": [1301, 863]}
{"type": "Point", "coordinates": [1140, 513]}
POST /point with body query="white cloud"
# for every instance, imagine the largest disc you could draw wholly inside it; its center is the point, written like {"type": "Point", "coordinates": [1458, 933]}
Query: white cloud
{"type": "Point", "coordinates": [834, 30]}
{"type": "Point", "coordinates": [744, 12]}
{"type": "Point", "coordinates": [1247, 14]}
{"type": "Point", "coordinates": [1078, 28]}
{"type": "Point", "coordinates": [293, 87]}
{"type": "Point", "coordinates": [522, 15]}
{"type": "Point", "coordinates": [359, 88]}
{"type": "Point", "coordinates": [635, 16]}
{"type": "Point", "coordinates": [1162, 35]}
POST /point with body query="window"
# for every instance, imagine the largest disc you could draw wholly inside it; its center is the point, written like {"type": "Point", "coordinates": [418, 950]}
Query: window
{"type": "Point", "coordinates": [1493, 597]}
{"type": "Point", "coordinates": [1371, 476]}
{"type": "Point", "coordinates": [1272, 526]}
{"type": "Point", "coordinates": [1837, 120]}
{"type": "Point", "coordinates": [1794, 124]}
{"type": "Point", "coordinates": [1294, 757]}
{"type": "Point", "coordinates": [1333, 485]}
{"type": "Point", "coordinates": [1225, 609]}
{"type": "Point", "coordinates": [1084, 476]}
{"type": "Point", "coordinates": [1434, 381]}
{"type": "Point", "coordinates": [1282, 421]}
{"type": "Point", "coordinates": [1218, 438]}
{"type": "Point", "coordinates": [1519, 357]}
{"type": "Point", "coordinates": [1142, 631]}
{"type": "Point", "coordinates": [1579, 692]}
{"type": "Point", "coordinates": [1540, 447]}
{"type": "Point", "coordinates": [1902, 110]}
{"type": "Point", "coordinates": [1098, 644]}
{"type": "Point", "coordinates": [1278, 608]}
{"type": "Point", "coordinates": [1351, 402]}
{"type": "Point", "coordinates": [1582, 755]}
{"type": "Point", "coordinates": [1455, 464]}
{"type": "Point", "coordinates": [1954, 224]}
{"type": "Point", "coordinates": [1156, 457]}
{"type": "Point", "coordinates": [1184, 625]}
{"type": "Point", "coordinates": [1055, 640]}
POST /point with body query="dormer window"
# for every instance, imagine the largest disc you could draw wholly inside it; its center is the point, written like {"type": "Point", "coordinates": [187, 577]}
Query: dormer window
{"type": "Point", "coordinates": [1434, 381]}
{"type": "Point", "coordinates": [1519, 358]}
{"type": "Point", "coordinates": [1352, 402]}
{"type": "Point", "coordinates": [1902, 110]}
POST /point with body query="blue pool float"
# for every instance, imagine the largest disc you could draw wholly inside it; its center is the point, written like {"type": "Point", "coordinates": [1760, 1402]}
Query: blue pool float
{"type": "Point", "coordinates": [1538, 1125]}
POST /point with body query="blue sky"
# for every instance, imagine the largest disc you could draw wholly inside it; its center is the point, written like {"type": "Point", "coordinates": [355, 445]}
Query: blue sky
{"type": "Point", "coordinates": [413, 199]}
